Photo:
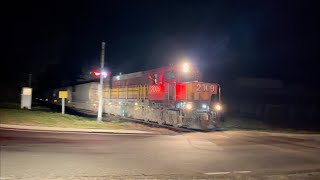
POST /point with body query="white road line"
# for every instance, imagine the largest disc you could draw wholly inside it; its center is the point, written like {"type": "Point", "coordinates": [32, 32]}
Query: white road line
{"type": "Point", "coordinates": [242, 172]}
{"type": "Point", "coordinates": [226, 172]}
{"type": "Point", "coordinates": [217, 173]}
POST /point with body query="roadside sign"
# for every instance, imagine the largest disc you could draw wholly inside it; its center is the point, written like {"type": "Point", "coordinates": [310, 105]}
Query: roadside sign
{"type": "Point", "coordinates": [26, 91]}
{"type": "Point", "coordinates": [63, 94]}
{"type": "Point", "coordinates": [26, 98]}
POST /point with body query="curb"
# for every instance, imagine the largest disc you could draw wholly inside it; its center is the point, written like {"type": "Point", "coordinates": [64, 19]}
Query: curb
{"type": "Point", "coordinates": [71, 130]}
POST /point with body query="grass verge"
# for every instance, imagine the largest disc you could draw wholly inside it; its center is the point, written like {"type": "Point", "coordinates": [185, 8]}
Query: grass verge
{"type": "Point", "coordinates": [242, 123]}
{"type": "Point", "coordinates": [51, 119]}
{"type": "Point", "coordinates": [238, 123]}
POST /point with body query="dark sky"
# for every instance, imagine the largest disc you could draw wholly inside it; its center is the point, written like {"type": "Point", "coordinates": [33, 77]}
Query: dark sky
{"type": "Point", "coordinates": [226, 39]}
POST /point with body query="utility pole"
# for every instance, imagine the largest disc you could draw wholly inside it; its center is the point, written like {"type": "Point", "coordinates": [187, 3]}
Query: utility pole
{"type": "Point", "coordinates": [100, 88]}
{"type": "Point", "coordinates": [30, 80]}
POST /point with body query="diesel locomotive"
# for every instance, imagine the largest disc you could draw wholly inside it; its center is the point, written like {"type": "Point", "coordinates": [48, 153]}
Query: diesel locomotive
{"type": "Point", "coordinates": [172, 95]}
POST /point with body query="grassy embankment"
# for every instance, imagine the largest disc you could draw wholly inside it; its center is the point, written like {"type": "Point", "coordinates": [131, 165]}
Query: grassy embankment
{"type": "Point", "coordinates": [52, 119]}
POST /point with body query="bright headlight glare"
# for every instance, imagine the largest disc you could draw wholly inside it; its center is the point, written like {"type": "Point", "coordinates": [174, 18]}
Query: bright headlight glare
{"type": "Point", "coordinates": [204, 106]}
{"type": "Point", "coordinates": [218, 107]}
{"type": "Point", "coordinates": [188, 106]}
{"type": "Point", "coordinates": [185, 67]}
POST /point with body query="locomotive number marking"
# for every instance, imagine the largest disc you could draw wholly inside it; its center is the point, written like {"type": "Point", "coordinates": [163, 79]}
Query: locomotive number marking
{"type": "Point", "coordinates": [198, 87]}
{"type": "Point", "coordinates": [205, 88]}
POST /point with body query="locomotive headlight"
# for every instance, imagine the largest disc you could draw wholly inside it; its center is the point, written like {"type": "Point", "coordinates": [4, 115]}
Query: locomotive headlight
{"type": "Point", "coordinates": [188, 106]}
{"type": "Point", "coordinates": [204, 106]}
{"type": "Point", "coordinates": [218, 107]}
{"type": "Point", "coordinates": [179, 105]}
{"type": "Point", "coordinates": [186, 67]}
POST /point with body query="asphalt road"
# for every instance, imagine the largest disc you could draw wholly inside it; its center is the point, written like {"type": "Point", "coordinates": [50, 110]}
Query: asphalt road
{"type": "Point", "coordinates": [216, 155]}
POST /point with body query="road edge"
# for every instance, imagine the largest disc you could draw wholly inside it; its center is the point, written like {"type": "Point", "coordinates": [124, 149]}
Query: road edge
{"type": "Point", "coordinates": [71, 130]}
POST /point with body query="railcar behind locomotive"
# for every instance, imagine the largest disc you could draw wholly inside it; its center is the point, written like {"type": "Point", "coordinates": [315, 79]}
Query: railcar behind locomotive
{"type": "Point", "coordinates": [170, 95]}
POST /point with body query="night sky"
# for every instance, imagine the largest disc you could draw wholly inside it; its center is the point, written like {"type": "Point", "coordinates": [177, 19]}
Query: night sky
{"type": "Point", "coordinates": [55, 40]}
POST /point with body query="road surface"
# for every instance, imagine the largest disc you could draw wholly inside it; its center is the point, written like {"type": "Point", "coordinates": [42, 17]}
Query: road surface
{"type": "Point", "coordinates": [216, 155]}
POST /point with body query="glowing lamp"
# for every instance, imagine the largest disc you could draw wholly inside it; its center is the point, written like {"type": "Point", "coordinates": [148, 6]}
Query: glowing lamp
{"type": "Point", "coordinates": [204, 106]}
{"type": "Point", "coordinates": [218, 107]}
{"type": "Point", "coordinates": [96, 73]}
{"type": "Point", "coordinates": [186, 67]}
{"type": "Point", "coordinates": [189, 106]}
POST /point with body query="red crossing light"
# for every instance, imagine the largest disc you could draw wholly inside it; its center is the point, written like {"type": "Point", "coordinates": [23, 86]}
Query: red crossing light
{"type": "Point", "coordinates": [104, 73]}
{"type": "Point", "coordinates": [96, 73]}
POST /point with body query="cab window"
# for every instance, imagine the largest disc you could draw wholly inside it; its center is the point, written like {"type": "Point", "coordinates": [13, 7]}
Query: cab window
{"type": "Point", "coordinates": [186, 77]}
{"type": "Point", "coordinates": [155, 78]}
{"type": "Point", "coordinates": [169, 75]}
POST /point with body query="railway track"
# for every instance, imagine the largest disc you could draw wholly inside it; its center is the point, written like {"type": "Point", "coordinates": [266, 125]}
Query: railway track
{"type": "Point", "coordinates": [92, 114]}
{"type": "Point", "coordinates": [140, 121]}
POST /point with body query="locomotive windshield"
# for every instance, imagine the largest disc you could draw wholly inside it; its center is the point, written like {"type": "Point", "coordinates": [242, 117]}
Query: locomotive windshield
{"type": "Point", "coordinates": [188, 73]}
{"type": "Point", "coordinates": [187, 77]}
{"type": "Point", "coordinates": [169, 75]}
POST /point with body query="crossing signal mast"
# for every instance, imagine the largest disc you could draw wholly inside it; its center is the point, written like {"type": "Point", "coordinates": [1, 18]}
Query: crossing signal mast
{"type": "Point", "coordinates": [100, 89]}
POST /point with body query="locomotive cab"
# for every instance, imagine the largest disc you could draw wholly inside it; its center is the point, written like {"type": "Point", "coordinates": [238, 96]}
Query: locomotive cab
{"type": "Point", "coordinates": [201, 107]}
{"type": "Point", "coordinates": [188, 102]}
